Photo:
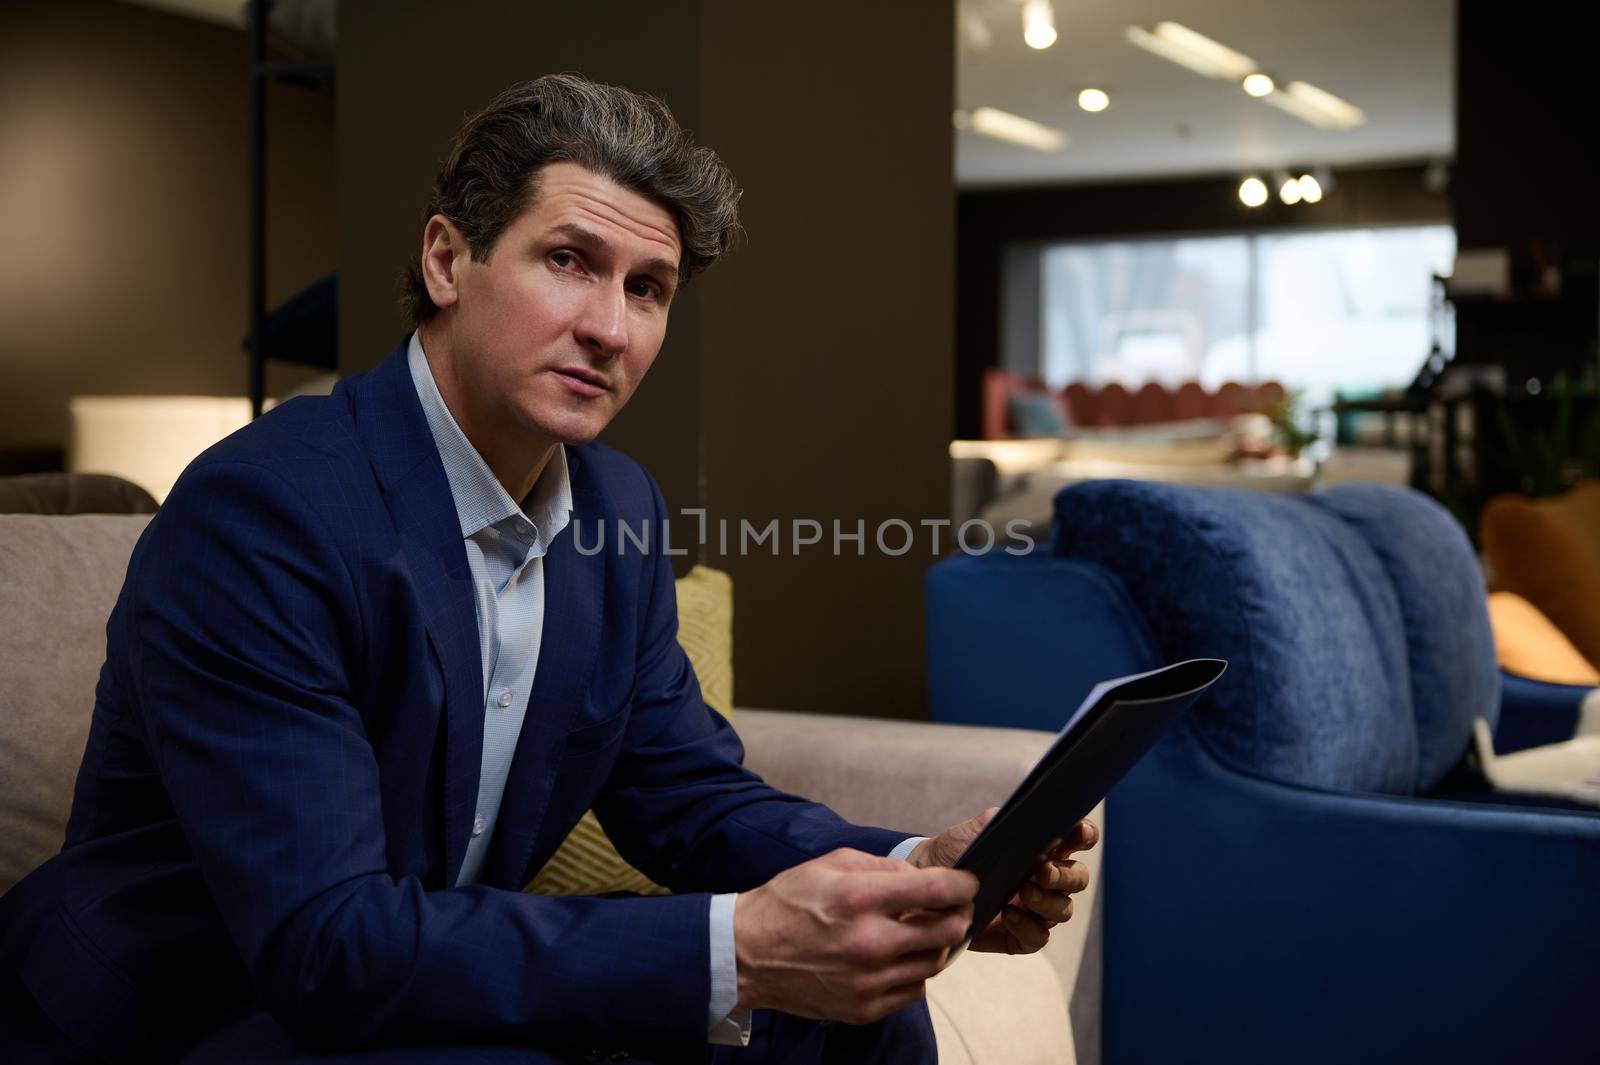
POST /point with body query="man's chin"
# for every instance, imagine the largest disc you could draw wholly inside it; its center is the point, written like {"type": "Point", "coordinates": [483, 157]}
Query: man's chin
{"type": "Point", "coordinates": [573, 432]}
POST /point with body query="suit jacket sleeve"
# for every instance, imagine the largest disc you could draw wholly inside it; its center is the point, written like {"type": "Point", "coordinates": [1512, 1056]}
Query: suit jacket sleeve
{"type": "Point", "coordinates": [679, 804]}
{"type": "Point", "coordinates": [243, 646]}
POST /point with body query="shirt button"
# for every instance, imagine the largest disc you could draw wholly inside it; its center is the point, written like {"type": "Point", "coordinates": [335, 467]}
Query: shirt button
{"type": "Point", "coordinates": [477, 827]}
{"type": "Point", "coordinates": [505, 699]}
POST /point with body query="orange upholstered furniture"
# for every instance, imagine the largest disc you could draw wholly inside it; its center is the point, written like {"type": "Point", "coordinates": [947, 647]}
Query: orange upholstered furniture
{"type": "Point", "coordinates": [1548, 552]}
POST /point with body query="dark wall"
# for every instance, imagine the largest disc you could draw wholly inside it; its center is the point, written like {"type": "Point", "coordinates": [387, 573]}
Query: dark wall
{"type": "Point", "coordinates": [124, 175]}
{"type": "Point", "coordinates": [409, 74]}
{"type": "Point", "coordinates": [1527, 136]}
{"type": "Point", "coordinates": [806, 376]}
{"type": "Point", "coordinates": [990, 219]}
{"type": "Point", "coordinates": [828, 337]}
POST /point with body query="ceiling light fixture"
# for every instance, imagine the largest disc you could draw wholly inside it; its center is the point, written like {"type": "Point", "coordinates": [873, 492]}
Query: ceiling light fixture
{"type": "Point", "coordinates": [1310, 189]}
{"type": "Point", "coordinates": [1258, 84]}
{"type": "Point", "coordinates": [1005, 126]}
{"type": "Point", "coordinates": [1179, 44]}
{"type": "Point", "coordinates": [1094, 99]}
{"type": "Point", "coordinates": [1252, 192]}
{"type": "Point", "coordinates": [1290, 192]}
{"type": "Point", "coordinates": [1038, 24]}
{"type": "Point", "coordinates": [1317, 106]}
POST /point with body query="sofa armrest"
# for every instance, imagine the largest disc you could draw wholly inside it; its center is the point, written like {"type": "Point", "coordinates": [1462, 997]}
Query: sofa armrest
{"type": "Point", "coordinates": [921, 778]}
{"type": "Point", "coordinates": [1535, 712]}
{"type": "Point", "coordinates": [909, 775]}
{"type": "Point", "coordinates": [1264, 916]}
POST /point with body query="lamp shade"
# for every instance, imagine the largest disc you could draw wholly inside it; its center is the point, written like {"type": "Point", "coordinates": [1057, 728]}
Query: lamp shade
{"type": "Point", "coordinates": [148, 439]}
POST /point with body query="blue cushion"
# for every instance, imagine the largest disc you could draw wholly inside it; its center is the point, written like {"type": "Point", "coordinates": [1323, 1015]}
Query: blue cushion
{"type": "Point", "coordinates": [1450, 646]}
{"type": "Point", "coordinates": [1019, 641]}
{"type": "Point", "coordinates": [1319, 691]}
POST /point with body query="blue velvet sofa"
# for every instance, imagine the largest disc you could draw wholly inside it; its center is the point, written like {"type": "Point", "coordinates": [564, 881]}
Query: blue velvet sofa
{"type": "Point", "coordinates": [1303, 869]}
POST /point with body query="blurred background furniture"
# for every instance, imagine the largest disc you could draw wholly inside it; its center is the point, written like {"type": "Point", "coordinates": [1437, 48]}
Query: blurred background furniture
{"type": "Point", "coordinates": [1547, 551]}
{"type": "Point", "coordinates": [988, 1010]}
{"type": "Point", "coordinates": [73, 493]}
{"type": "Point", "coordinates": [148, 439]}
{"type": "Point", "coordinates": [1007, 394]}
{"type": "Point", "coordinates": [1306, 868]}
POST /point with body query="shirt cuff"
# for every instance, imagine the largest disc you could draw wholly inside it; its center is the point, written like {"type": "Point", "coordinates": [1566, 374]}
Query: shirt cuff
{"type": "Point", "coordinates": [903, 849]}
{"type": "Point", "coordinates": [724, 1027]}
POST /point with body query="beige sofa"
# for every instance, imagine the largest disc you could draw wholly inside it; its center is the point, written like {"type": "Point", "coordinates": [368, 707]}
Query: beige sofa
{"type": "Point", "coordinates": [60, 575]}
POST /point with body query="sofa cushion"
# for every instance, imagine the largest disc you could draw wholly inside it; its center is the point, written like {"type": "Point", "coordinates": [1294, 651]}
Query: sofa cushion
{"type": "Point", "coordinates": [59, 578]}
{"type": "Point", "coordinates": [1548, 552]}
{"type": "Point", "coordinates": [587, 863]}
{"type": "Point", "coordinates": [1527, 644]}
{"type": "Point", "coordinates": [999, 1009]}
{"type": "Point", "coordinates": [1439, 585]}
{"type": "Point", "coordinates": [1319, 689]}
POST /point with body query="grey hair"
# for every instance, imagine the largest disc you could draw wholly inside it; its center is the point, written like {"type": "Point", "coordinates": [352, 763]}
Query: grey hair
{"type": "Point", "coordinates": [491, 174]}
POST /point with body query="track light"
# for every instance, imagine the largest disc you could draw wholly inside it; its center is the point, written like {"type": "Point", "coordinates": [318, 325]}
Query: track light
{"type": "Point", "coordinates": [1038, 24]}
{"type": "Point", "coordinates": [1310, 189]}
{"type": "Point", "coordinates": [1317, 106]}
{"type": "Point", "coordinates": [1252, 192]}
{"type": "Point", "coordinates": [1179, 44]}
{"type": "Point", "coordinates": [1014, 129]}
{"type": "Point", "coordinates": [1290, 192]}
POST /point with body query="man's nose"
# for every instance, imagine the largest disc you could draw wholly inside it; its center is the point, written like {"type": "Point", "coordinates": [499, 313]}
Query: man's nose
{"type": "Point", "coordinates": [603, 325]}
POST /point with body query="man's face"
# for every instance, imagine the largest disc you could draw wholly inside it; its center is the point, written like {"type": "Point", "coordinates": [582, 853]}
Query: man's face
{"type": "Point", "coordinates": [551, 335]}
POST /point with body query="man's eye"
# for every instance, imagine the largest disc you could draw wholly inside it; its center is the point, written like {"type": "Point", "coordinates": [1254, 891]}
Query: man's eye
{"type": "Point", "coordinates": [645, 289]}
{"type": "Point", "coordinates": [563, 259]}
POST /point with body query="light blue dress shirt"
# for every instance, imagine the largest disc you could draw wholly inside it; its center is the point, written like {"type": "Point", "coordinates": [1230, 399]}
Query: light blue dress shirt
{"type": "Point", "coordinates": [505, 546]}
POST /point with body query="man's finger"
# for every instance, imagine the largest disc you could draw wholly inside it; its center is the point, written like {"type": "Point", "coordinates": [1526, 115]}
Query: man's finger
{"type": "Point", "coordinates": [1052, 906]}
{"type": "Point", "coordinates": [911, 968]}
{"type": "Point", "coordinates": [1024, 932]}
{"type": "Point", "coordinates": [922, 889]}
{"type": "Point", "coordinates": [935, 930]}
{"type": "Point", "coordinates": [1084, 835]}
{"type": "Point", "coordinates": [1065, 876]}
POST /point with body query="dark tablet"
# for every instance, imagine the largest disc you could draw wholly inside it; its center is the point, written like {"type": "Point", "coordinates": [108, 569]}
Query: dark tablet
{"type": "Point", "coordinates": [1115, 725]}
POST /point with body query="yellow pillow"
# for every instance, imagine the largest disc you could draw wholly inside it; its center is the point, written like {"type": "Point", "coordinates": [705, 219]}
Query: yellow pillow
{"type": "Point", "coordinates": [586, 863]}
{"type": "Point", "coordinates": [1527, 644]}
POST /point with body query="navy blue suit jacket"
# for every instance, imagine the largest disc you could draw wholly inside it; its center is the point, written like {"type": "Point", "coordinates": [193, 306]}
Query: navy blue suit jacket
{"type": "Point", "coordinates": [283, 763]}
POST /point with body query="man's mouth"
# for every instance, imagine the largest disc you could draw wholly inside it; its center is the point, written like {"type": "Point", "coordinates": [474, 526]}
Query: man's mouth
{"type": "Point", "coordinates": [583, 381]}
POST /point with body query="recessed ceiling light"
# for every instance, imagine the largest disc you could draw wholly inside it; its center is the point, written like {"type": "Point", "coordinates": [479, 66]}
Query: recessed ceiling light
{"type": "Point", "coordinates": [1094, 99]}
{"type": "Point", "coordinates": [1252, 192]}
{"type": "Point", "coordinates": [1310, 189]}
{"type": "Point", "coordinates": [1289, 192]}
{"type": "Point", "coordinates": [1005, 126]}
{"type": "Point", "coordinates": [1038, 24]}
{"type": "Point", "coordinates": [1258, 84]}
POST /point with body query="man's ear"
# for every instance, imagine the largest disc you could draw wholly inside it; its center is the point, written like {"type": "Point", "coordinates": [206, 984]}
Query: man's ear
{"type": "Point", "coordinates": [444, 252]}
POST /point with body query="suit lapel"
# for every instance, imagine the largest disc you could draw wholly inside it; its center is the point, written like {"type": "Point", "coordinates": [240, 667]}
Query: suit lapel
{"type": "Point", "coordinates": [417, 494]}
{"type": "Point", "coordinates": [574, 598]}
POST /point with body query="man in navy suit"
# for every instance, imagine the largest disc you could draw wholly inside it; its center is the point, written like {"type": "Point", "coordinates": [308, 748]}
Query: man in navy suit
{"type": "Point", "coordinates": [361, 682]}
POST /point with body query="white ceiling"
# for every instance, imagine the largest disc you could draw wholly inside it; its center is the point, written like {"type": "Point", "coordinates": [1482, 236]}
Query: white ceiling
{"type": "Point", "coordinates": [1392, 58]}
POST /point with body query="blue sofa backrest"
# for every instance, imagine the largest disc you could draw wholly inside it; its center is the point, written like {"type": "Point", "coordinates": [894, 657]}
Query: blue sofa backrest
{"type": "Point", "coordinates": [1019, 640]}
{"type": "Point", "coordinates": [1354, 620]}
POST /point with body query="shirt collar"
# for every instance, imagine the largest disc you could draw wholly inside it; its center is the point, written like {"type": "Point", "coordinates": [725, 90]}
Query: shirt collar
{"type": "Point", "coordinates": [481, 501]}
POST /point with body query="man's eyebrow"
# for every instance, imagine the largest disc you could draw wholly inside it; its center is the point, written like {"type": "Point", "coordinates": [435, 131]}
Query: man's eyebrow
{"type": "Point", "coordinates": [589, 237]}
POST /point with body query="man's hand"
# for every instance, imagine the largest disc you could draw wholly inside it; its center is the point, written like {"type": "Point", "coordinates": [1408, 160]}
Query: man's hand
{"type": "Point", "coordinates": [1023, 926]}
{"type": "Point", "coordinates": [848, 936]}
